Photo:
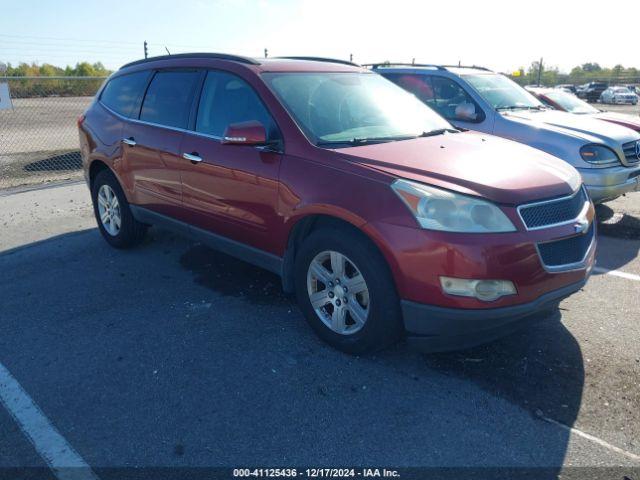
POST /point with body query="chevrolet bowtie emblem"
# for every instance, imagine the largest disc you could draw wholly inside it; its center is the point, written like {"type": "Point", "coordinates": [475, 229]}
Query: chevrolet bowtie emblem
{"type": "Point", "coordinates": [581, 226]}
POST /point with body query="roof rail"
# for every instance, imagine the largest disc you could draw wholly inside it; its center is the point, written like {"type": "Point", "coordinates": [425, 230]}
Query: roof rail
{"type": "Point", "coordinates": [439, 67]}
{"type": "Point", "coordinates": [321, 59]}
{"type": "Point", "coordinates": [400, 64]}
{"type": "Point", "coordinates": [219, 56]}
{"type": "Point", "coordinates": [467, 66]}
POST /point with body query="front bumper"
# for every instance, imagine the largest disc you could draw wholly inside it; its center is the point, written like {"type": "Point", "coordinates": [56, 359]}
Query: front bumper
{"type": "Point", "coordinates": [608, 183]}
{"type": "Point", "coordinates": [434, 329]}
{"type": "Point", "coordinates": [625, 101]}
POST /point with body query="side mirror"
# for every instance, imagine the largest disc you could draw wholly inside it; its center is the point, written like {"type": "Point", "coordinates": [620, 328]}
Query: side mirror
{"type": "Point", "coordinates": [245, 133]}
{"type": "Point", "coordinates": [466, 112]}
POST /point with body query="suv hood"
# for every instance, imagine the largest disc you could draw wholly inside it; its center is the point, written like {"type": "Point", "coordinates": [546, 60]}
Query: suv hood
{"type": "Point", "coordinates": [626, 120]}
{"type": "Point", "coordinates": [499, 170]}
{"type": "Point", "coordinates": [582, 127]}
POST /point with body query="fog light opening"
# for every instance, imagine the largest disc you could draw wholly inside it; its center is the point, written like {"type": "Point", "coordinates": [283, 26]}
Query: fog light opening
{"type": "Point", "coordinates": [485, 290]}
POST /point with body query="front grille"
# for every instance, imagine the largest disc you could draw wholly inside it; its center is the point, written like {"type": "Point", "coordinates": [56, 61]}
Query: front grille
{"type": "Point", "coordinates": [630, 152]}
{"type": "Point", "coordinates": [553, 212]}
{"type": "Point", "coordinates": [567, 251]}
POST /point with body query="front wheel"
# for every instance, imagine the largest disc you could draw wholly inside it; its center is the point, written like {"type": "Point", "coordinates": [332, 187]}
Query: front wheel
{"type": "Point", "coordinates": [345, 290]}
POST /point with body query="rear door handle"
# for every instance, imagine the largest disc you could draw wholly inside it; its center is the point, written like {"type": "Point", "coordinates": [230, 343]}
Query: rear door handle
{"type": "Point", "coordinates": [192, 157]}
{"type": "Point", "coordinates": [129, 141]}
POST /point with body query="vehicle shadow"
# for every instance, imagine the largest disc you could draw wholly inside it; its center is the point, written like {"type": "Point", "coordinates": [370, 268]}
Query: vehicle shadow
{"type": "Point", "coordinates": [618, 238]}
{"type": "Point", "coordinates": [617, 225]}
{"type": "Point", "coordinates": [540, 369]}
{"type": "Point", "coordinates": [197, 359]}
{"type": "Point", "coordinates": [62, 162]}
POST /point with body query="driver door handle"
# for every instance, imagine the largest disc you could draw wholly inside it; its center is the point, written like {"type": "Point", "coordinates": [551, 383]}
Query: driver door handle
{"type": "Point", "coordinates": [129, 141]}
{"type": "Point", "coordinates": [192, 157]}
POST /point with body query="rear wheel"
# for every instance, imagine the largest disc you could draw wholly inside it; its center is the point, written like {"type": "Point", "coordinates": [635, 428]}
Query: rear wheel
{"type": "Point", "coordinates": [345, 290]}
{"type": "Point", "coordinates": [114, 217]}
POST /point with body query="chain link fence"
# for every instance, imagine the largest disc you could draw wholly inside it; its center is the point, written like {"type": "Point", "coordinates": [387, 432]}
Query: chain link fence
{"type": "Point", "coordinates": [38, 129]}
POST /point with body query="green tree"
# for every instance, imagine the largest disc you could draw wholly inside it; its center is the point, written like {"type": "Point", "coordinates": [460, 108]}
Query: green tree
{"type": "Point", "coordinates": [591, 67]}
{"type": "Point", "coordinates": [84, 69]}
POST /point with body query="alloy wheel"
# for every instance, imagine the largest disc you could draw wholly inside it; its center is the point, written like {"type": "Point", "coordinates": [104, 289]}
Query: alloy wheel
{"type": "Point", "coordinates": [109, 210]}
{"type": "Point", "coordinates": [338, 292]}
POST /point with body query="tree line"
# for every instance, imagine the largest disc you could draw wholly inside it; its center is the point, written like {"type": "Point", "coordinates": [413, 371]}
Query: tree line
{"type": "Point", "coordinates": [48, 80]}
{"type": "Point", "coordinates": [44, 86]}
{"type": "Point", "coordinates": [82, 69]}
{"type": "Point", "coordinates": [587, 72]}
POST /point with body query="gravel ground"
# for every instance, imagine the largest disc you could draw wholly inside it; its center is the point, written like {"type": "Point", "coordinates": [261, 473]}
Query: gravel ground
{"type": "Point", "coordinates": [39, 140]}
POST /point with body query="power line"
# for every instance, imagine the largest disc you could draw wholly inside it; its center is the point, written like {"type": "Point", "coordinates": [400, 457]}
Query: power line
{"type": "Point", "coordinates": [69, 52]}
{"type": "Point", "coordinates": [82, 40]}
{"type": "Point", "coordinates": [114, 42]}
{"type": "Point", "coordinates": [14, 43]}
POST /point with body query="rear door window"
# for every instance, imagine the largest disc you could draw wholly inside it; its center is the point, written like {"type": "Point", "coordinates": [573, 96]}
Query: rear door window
{"type": "Point", "coordinates": [123, 94]}
{"type": "Point", "coordinates": [227, 99]}
{"type": "Point", "coordinates": [169, 97]}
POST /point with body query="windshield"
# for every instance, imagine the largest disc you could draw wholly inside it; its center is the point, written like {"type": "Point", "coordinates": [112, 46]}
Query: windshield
{"type": "Point", "coordinates": [502, 93]}
{"type": "Point", "coordinates": [621, 90]}
{"type": "Point", "coordinates": [570, 102]}
{"type": "Point", "coordinates": [352, 108]}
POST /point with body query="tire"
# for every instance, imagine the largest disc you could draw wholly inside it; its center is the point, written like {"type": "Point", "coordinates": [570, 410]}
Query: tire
{"type": "Point", "coordinates": [125, 233]}
{"type": "Point", "coordinates": [382, 325]}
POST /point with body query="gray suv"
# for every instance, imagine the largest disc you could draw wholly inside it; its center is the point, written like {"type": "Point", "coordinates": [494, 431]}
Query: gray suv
{"type": "Point", "coordinates": [606, 155]}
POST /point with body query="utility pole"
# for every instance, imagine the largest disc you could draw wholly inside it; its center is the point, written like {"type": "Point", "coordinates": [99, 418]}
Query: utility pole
{"type": "Point", "coordinates": [146, 53]}
{"type": "Point", "coordinates": [266, 53]}
{"type": "Point", "coordinates": [539, 71]}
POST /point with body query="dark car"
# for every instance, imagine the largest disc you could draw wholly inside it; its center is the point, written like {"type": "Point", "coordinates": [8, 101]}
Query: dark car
{"type": "Point", "coordinates": [378, 214]}
{"type": "Point", "coordinates": [568, 87]}
{"type": "Point", "coordinates": [591, 91]}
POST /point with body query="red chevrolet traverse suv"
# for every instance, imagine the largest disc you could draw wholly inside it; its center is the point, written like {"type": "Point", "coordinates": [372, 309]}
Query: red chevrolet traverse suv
{"type": "Point", "coordinates": [382, 218]}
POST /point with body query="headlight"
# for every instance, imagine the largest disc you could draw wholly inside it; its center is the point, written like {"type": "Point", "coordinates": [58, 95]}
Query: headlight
{"type": "Point", "coordinates": [437, 209]}
{"type": "Point", "coordinates": [599, 155]}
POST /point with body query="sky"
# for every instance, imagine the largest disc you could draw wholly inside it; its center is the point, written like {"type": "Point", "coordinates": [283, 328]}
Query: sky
{"type": "Point", "coordinates": [501, 35]}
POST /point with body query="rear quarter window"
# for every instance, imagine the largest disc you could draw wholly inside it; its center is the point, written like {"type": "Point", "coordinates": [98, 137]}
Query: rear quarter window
{"type": "Point", "coordinates": [122, 94]}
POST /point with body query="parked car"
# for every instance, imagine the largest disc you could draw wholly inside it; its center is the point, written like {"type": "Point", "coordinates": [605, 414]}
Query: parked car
{"type": "Point", "coordinates": [379, 214]}
{"type": "Point", "coordinates": [619, 95]}
{"type": "Point", "coordinates": [479, 99]}
{"type": "Point", "coordinates": [568, 87]}
{"type": "Point", "coordinates": [566, 102]}
{"type": "Point", "coordinates": [591, 91]}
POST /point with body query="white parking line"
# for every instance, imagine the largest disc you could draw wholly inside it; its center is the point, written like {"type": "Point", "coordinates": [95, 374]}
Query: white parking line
{"type": "Point", "coordinates": [590, 437]}
{"type": "Point", "coordinates": [63, 460]}
{"type": "Point", "coordinates": [617, 273]}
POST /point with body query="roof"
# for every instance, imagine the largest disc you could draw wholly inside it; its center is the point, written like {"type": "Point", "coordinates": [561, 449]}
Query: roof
{"type": "Point", "coordinates": [455, 69]}
{"type": "Point", "coordinates": [275, 64]}
{"type": "Point", "coordinates": [470, 70]}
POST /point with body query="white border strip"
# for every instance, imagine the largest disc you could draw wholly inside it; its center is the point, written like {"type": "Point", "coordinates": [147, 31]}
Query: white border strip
{"type": "Point", "coordinates": [617, 273]}
{"type": "Point", "coordinates": [63, 460]}
{"type": "Point", "coordinates": [591, 438]}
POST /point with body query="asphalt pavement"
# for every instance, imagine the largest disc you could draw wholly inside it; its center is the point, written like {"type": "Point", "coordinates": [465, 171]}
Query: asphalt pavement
{"type": "Point", "coordinates": [174, 355]}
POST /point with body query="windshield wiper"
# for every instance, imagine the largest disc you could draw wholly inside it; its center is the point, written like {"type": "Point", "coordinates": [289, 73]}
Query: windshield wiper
{"type": "Point", "coordinates": [439, 131]}
{"type": "Point", "coordinates": [364, 140]}
{"type": "Point", "coordinates": [520, 107]}
{"type": "Point", "coordinates": [371, 140]}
